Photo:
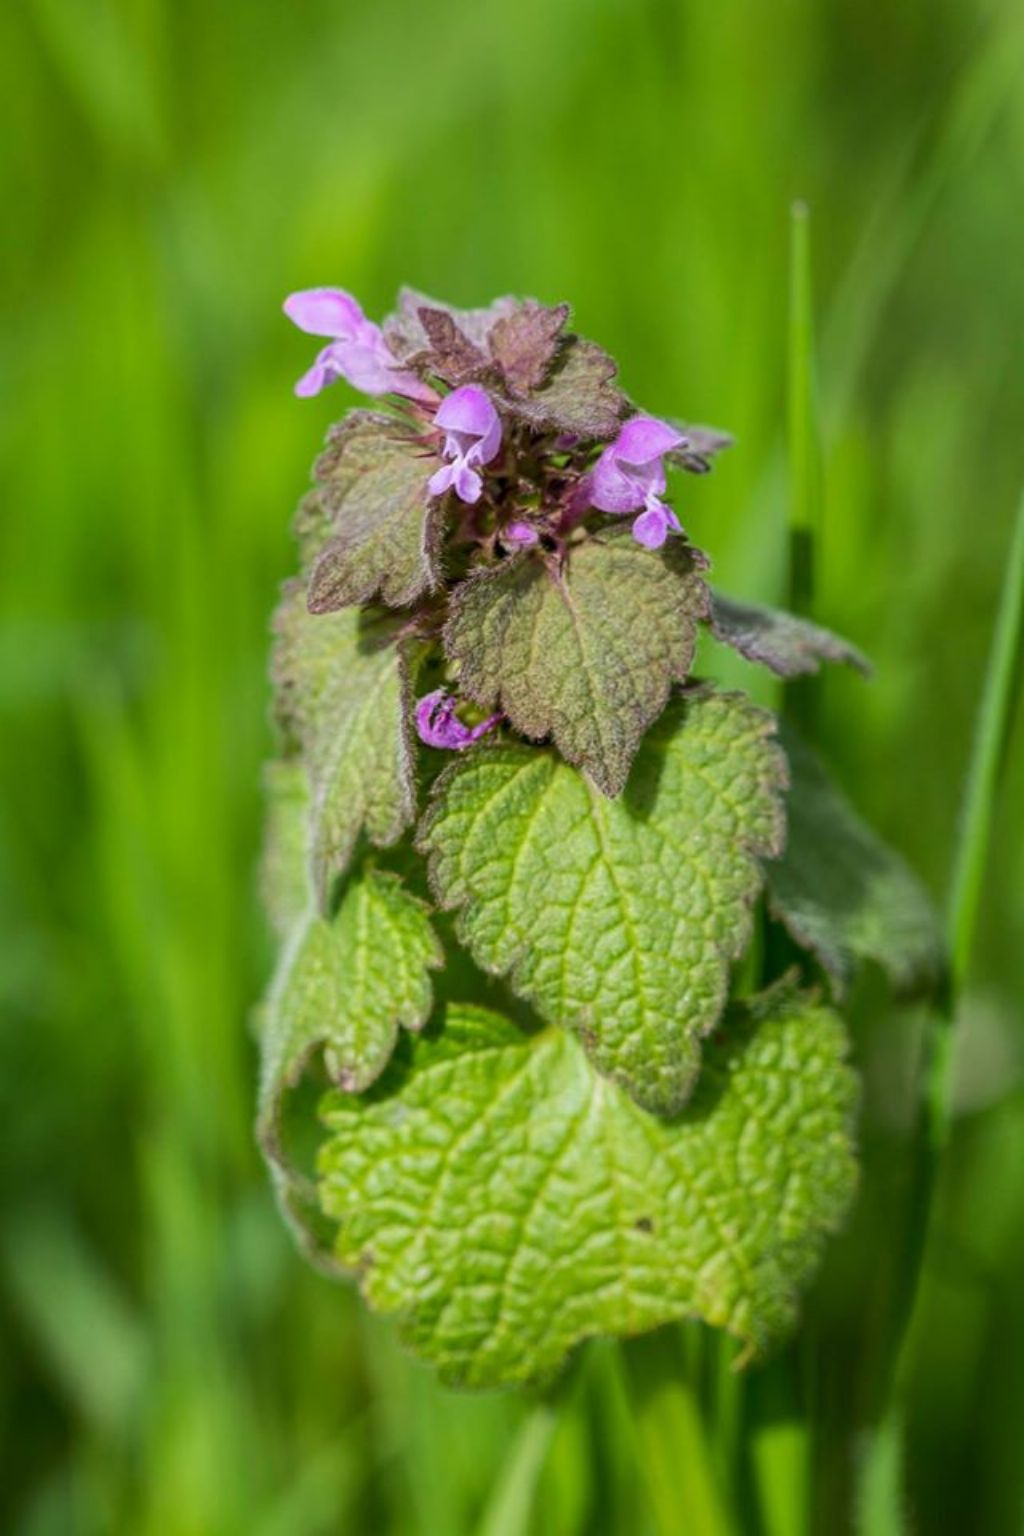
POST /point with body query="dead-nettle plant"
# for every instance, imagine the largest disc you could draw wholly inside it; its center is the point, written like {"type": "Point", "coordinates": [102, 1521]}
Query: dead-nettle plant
{"type": "Point", "coordinates": [515, 852]}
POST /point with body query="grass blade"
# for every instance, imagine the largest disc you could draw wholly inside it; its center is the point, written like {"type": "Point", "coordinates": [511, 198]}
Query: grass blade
{"type": "Point", "coordinates": [675, 1456]}
{"type": "Point", "coordinates": [511, 1507]}
{"type": "Point", "coordinates": [881, 1488]}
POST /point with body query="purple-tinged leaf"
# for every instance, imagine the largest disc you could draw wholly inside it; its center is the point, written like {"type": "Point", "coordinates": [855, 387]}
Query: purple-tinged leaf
{"type": "Point", "coordinates": [580, 399]}
{"type": "Point", "coordinates": [788, 645]}
{"type": "Point", "coordinates": [372, 482]}
{"type": "Point", "coordinates": [407, 336]}
{"type": "Point", "coordinates": [524, 344]}
{"type": "Point", "coordinates": [449, 353]}
{"type": "Point", "coordinates": [701, 447]}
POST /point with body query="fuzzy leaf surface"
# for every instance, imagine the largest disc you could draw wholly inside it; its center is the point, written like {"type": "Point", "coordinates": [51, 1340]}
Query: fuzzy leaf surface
{"type": "Point", "coordinates": [450, 353]}
{"type": "Point", "coordinates": [284, 864]}
{"type": "Point", "coordinates": [616, 918]}
{"type": "Point", "coordinates": [788, 645]}
{"type": "Point", "coordinates": [343, 694]}
{"type": "Point", "coordinates": [580, 397]}
{"type": "Point", "coordinates": [507, 1202]}
{"type": "Point", "coordinates": [406, 334]}
{"type": "Point", "coordinates": [843, 893]}
{"type": "Point", "coordinates": [372, 479]}
{"type": "Point", "coordinates": [703, 445]}
{"type": "Point", "coordinates": [347, 984]}
{"type": "Point", "coordinates": [585, 653]}
{"type": "Point", "coordinates": [524, 344]}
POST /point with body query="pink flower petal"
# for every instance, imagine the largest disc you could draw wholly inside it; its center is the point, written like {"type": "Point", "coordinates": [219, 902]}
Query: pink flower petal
{"type": "Point", "coordinates": [322, 373]}
{"type": "Point", "coordinates": [437, 724]}
{"type": "Point", "coordinates": [324, 312]}
{"type": "Point", "coordinates": [469, 410]}
{"type": "Point", "coordinates": [644, 438]}
{"type": "Point", "coordinates": [610, 489]}
{"type": "Point", "coordinates": [651, 527]}
{"type": "Point", "coordinates": [468, 484]}
{"type": "Point", "coordinates": [441, 480]}
{"type": "Point", "coordinates": [519, 533]}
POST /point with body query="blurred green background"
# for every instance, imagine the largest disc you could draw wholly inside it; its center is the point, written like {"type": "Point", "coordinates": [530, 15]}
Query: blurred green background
{"type": "Point", "coordinates": [170, 171]}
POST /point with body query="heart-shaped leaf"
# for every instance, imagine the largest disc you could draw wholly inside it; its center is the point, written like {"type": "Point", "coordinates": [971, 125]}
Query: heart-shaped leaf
{"type": "Point", "coordinates": [617, 918]}
{"type": "Point", "coordinates": [584, 651]}
{"type": "Point", "coordinates": [507, 1202]}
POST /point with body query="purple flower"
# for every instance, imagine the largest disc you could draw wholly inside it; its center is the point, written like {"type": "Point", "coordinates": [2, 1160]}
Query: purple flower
{"type": "Point", "coordinates": [357, 351]}
{"type": "Point", "coordinates": [519, 534]}
{"type": "Point", "coordinates": [630, 476]}
{"type": "Point", "coordinates": [472, 437]}
{"type": "Point", "coordinates": [438, 725]}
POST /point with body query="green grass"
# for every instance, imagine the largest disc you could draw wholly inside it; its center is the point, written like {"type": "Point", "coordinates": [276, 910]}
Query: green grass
{"type": "Point", "coordinates": [170, 171]}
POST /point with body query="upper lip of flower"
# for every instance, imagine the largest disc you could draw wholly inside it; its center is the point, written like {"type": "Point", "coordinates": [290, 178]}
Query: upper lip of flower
{"type": "Point", "coordinates": [357, 350]}
{"type": "Point", "coordinates": [472, 437]}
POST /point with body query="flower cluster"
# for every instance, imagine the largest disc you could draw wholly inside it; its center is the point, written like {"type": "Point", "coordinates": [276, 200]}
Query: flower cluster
{"type": "Point", "coordinates": [526, 440]}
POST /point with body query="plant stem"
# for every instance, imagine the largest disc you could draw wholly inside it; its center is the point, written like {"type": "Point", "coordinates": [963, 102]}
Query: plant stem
{"type": "Point", "coordinates": [675, 1457]}
{"type": "Point", "coordinates": [881, 1490]}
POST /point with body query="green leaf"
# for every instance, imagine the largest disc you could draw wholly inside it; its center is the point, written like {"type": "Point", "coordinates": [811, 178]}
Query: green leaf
{"type": "Point", "coordinates": [343, 694]}
{"type": "Point", "coordinates": [508, 1203]}
{"type": "Point", "coordinates": [788, 645]}
{"type": "Point", "coordinates": [844, 894]}
{"type": "Point", "coordinates": [584, 652]}
{"type": "Point", "coordinates": [312, 529]}
{"type": "Point", "coordinates": [386, 528]}
{"type": "Point", "coordinates": [284, 865]}
{"type": "Point", "coordinates": [346, 984]}
{"type": "Point", "coordinates": [580, 397]}
{"type": "Point", "coordinates": [616, 918]}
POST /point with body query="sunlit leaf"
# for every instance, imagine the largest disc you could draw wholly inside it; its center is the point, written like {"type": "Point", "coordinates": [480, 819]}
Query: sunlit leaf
{"type": "Point", "coordinates": [507, 1202]}
{"type": "Point", "coordinates": [616, 918]}
{"type": "Point", "coordinates": [345, 985]}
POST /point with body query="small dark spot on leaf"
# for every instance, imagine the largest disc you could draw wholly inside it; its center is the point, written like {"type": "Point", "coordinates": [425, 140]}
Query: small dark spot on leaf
{"type": "Point", "coordinates": [644, 1224]}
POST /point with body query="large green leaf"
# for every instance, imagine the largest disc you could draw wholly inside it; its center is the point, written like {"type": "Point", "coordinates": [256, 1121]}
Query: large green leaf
{"type": "Point", "coordinates": [386, 528]}
{"type": "Point", "coordinates": [843, 893]}
{"type": "Point", "coordinates": [507, 1202]}
{"type": "Point", "coordinates": [343, 694]}
{"type": "Point", "coordinates": [586, 651]}
{"type": "Point", "coordinates": [346, 984]}
{"type": "Point", "coordinates": [617, 918]}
